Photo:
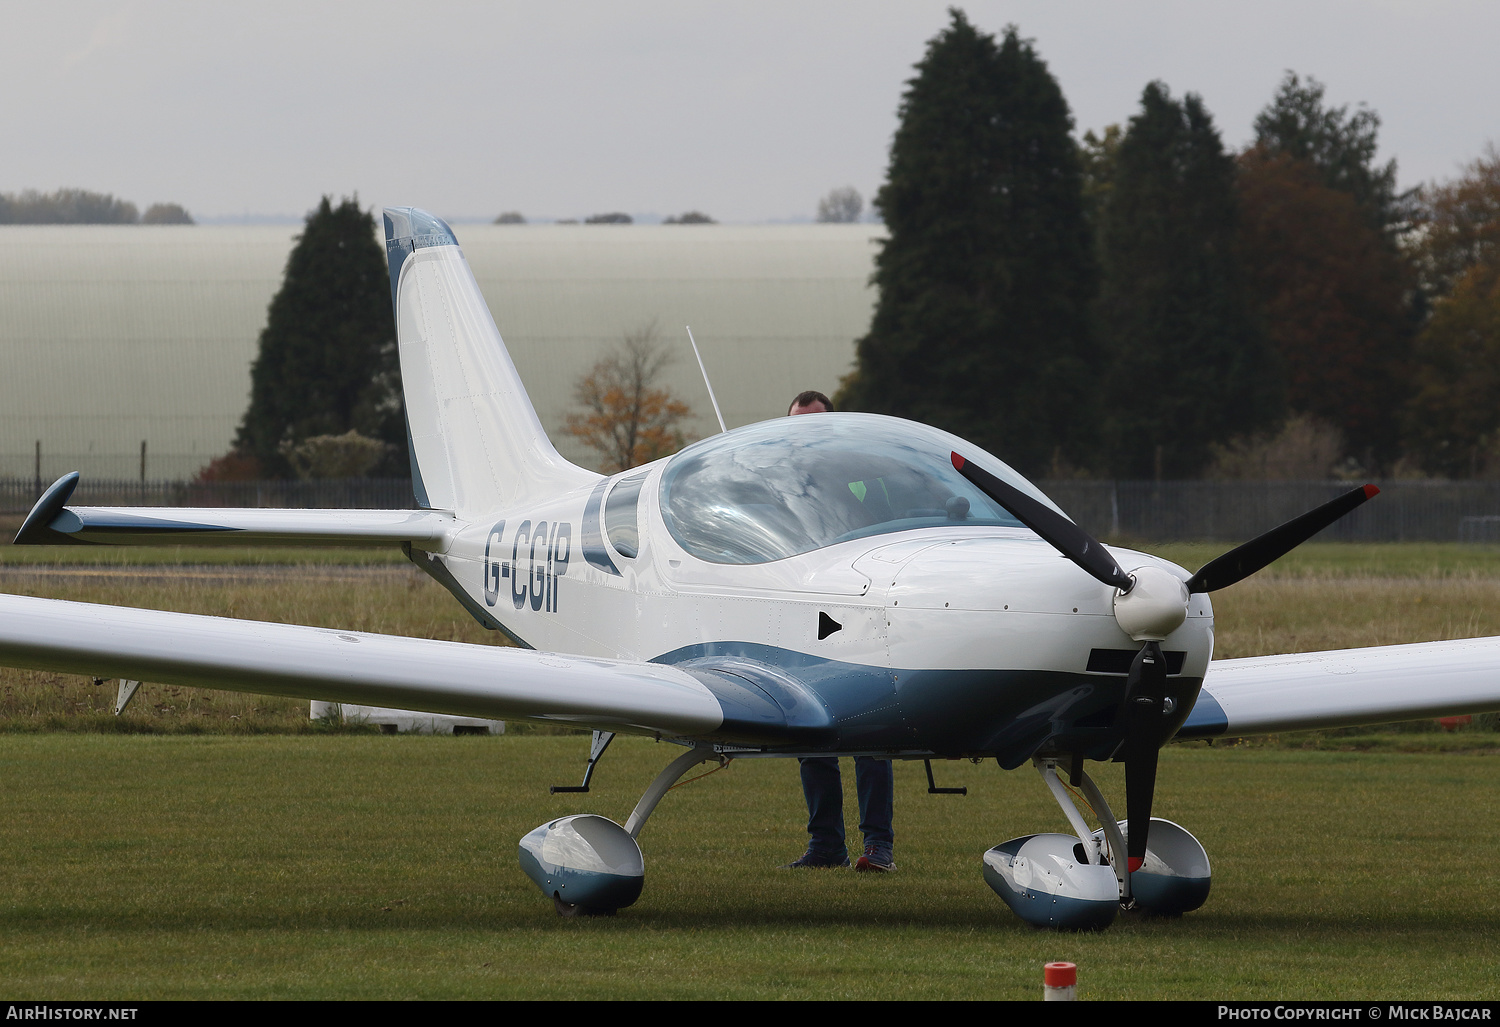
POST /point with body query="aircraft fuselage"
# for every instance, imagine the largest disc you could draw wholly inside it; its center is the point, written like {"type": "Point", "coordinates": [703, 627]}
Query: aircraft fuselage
{"type": "Point", "coordinates": [949, 641]}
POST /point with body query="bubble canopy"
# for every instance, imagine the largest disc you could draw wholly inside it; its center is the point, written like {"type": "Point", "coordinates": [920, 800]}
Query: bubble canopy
{"type": "Point", "coordinates": [795, 484]}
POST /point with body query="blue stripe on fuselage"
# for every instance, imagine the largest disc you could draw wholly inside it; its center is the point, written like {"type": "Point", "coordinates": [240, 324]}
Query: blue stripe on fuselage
{"type": "Point", "coordinates": [1006, 714]}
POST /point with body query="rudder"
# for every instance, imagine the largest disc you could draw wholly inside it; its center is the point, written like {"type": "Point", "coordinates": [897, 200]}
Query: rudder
{"type": "Point", "coordinates": [476, 441]}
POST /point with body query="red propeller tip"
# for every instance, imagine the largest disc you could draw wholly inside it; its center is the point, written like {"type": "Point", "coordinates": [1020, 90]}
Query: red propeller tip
{"type": "Point", "coordinates": [1134, 863]}
{"type": "Point", "coordinates": [1371, 492]}
{"type": "Point", "coordinates": [958, 463]}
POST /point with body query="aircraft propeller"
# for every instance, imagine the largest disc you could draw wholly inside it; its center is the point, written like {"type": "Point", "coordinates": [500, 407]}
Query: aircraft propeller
{"type": "Point", "coordinates": [1150, 603]}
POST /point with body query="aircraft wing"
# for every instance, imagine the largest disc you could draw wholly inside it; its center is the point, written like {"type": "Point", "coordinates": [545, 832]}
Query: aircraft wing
{"type": "Point", "coordinates": [1346, 687]}
{"type": "Point", "coordinates": [700, 703]}
{"type": "Point", "coordinates": [52, 522]}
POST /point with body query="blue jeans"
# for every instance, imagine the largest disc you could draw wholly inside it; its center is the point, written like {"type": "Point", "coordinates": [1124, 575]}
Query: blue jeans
{"type": "Point", "coordinates": [823, 788]}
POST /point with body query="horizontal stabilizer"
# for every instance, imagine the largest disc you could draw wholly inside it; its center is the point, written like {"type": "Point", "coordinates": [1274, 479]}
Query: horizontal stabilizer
{"type": "Point", "coordinates": [51, 523]}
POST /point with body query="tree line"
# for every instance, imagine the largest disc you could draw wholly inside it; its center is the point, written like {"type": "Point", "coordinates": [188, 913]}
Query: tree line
{"type": "Point", "coordinates": [82, 207]}
{"type": "Point", "coordinates": [1145, 302]}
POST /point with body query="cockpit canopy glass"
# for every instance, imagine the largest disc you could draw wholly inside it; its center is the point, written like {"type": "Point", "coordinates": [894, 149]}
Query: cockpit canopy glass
{"type": "Point", "coordinates": [796, 484]}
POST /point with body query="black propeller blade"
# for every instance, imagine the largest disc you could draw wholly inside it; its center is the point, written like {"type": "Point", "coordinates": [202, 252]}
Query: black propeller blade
{"type": "Point", "coordinates": [1241, 562]}
{"type": "Point", "coordinates": [1066, 537]}
{"type": "Point", "coordinates": [1146, 725]}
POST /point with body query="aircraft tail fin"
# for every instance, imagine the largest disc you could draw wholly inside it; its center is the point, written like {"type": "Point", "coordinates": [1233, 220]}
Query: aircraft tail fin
{"type": "Point", "coordinates": [476, 442]}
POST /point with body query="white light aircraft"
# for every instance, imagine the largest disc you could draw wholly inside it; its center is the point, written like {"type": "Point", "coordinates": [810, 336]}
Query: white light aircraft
{"type": "Point", "coordinates": [839, 584]}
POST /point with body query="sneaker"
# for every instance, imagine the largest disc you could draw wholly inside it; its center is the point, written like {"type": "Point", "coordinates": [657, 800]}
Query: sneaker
{"type": "Point", "coordinates": [811, 860]}
{"type": "Point", "coordinates": [875, 861]}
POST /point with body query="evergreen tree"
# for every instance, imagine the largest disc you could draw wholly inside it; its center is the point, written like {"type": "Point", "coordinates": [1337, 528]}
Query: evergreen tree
{"type": "Point", "coordinates": [328, 360]}
{"type": "Point", "coordinates": [1189, 366]}
{"type": "Point", "coordinates": [982, 325]}
{"type": "Point", "coordinates": [1339, 144]}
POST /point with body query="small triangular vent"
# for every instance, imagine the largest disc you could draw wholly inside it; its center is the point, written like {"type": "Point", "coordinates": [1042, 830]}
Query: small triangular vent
{"type": "Point", "coordinates": [827, 626]}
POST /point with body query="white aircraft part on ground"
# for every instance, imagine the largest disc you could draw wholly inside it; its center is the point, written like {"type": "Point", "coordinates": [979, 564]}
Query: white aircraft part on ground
{"type": "Point", "coordinates": [405, 721]}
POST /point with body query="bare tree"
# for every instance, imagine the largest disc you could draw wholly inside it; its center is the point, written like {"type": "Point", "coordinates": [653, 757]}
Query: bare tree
{"type": "Point", "coordinates": [1302, 449]}
{"type": "Point", "coordinates": [842, 205]}
{"type": "Point", "coordinates": [350, 455]}
{"type": "Point", "coordinates": [627, 418]}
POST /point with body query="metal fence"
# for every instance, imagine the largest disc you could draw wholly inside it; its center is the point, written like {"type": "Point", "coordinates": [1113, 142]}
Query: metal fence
{"type": "Point", "coordinates": [1225, 511]}
{"type": "Point", "coordinates": [1230, 511]}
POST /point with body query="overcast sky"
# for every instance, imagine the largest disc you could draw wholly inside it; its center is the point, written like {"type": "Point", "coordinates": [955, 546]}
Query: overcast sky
{"type": "Point", "coordinates": [746, 110]}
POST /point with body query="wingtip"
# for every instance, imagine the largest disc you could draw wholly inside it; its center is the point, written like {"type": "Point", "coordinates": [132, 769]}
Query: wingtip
{"type": "Point", "coordinates": [958, 462]}
{"type": "Point", "coordinates": [34, 529]}
{"type": "Point", "coordinates": [1371, 492]}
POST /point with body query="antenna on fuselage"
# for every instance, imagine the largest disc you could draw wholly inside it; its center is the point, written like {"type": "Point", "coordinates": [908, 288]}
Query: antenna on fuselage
{"type": "Point", "coordinates": [711, 397]}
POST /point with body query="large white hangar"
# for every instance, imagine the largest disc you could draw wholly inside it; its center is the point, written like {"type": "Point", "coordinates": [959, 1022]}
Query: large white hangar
{"type": "Point", "coordinates": [115, 335]}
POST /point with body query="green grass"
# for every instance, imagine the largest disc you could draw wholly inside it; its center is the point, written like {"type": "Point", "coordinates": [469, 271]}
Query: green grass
{"type": "Point", "coordinates": [372, 867]}
{"type": "Point", "coordinates": [183, 852]}
{"type": "Point", "coordinates": [397, 599]}
{"type": "Point", "coordinates": [1350, 559]}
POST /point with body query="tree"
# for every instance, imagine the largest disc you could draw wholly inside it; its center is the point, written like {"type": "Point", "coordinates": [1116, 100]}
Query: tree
{"type": "Point", "coordinates": [510, 217]}
{"type": "Point", "coordinates": [692, 217]}
{"type": "Point", "coordinates": [1332, 297]}
{"type": "Point", "coordinates": [628, 419]}
{"type": "Point", "coordinates": [1099, 154]}
{"type": "Point", "coordinates": [1189, 367]}
{"type": "Point", "coordinates": [616, 218]}
{"type": "Point", "coordinates": [1460, 223]}
{"type": "Point", "coordinates": [65, 207]}
{"type": "Point", "coordinates": [327, 361]}
{"type": "Point", "coordinates": [350, 455]}
{"type": "Point", "coordinates": [166, 214]}
{"type": "Point", "coordinates": [982, 325]}
{"type": "Point", "coordinates": [1454, 422]}
{"type": "Point", "coordinates": [1303, 449]}
{"type": "Point", "coordinates": [841, 206]}
{"type": "Point", "coordinates": [1340, 145]}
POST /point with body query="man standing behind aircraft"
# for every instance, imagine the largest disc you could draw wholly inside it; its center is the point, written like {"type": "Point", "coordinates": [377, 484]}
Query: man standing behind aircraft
{"type": "Point", "coordinates": [823, 787]}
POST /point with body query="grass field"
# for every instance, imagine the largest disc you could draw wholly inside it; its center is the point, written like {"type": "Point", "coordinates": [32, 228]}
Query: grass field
{"type": "Point", "coordinates": [189, 851]}
{"type": "Point", "coordinates": [370, 867]}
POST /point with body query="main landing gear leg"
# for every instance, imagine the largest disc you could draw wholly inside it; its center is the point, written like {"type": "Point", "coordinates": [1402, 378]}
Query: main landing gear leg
{"type": "Point", "coordinates": [664, 782]}
{"type": "Point", "coordinates": [589, 865]}
{"type": "Point", "coordinates": [1114, 841]}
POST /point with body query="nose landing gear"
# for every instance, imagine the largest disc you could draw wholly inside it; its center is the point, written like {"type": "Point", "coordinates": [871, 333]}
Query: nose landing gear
{"type": "Point", "coordinates": [1080, 881]}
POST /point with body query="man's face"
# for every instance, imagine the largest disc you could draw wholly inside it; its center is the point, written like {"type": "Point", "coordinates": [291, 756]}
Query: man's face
{"type": "Point", "coordinates": [815, 407]}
